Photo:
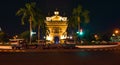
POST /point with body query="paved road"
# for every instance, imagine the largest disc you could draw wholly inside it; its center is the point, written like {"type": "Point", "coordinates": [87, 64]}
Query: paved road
{"type": "Point", "coordinates": [71, 57]}
{"type": "Point", "coordinates": [60, 50]}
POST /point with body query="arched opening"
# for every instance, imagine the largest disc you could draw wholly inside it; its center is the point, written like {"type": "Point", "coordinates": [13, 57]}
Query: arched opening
{"type": "Point", "coordinates": [56, 39]}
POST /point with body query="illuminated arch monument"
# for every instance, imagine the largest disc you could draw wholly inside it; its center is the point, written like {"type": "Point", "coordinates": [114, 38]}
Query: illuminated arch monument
{"type": "Point", "coordinates": [57, 26]}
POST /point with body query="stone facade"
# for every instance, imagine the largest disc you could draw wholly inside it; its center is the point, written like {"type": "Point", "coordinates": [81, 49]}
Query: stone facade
{"type": "Point", "coordinates": [57, 26]}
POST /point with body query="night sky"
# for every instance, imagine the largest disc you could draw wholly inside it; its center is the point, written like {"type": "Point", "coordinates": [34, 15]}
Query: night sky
{"type": "Point", "coordinates": [104, 14]}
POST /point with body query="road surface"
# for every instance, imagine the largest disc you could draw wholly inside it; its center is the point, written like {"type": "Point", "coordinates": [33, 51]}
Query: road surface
{"type": "Point", "coordinates": [91, 57]}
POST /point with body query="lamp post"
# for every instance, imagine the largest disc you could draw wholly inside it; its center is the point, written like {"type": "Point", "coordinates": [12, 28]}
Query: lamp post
{"type": "Point", "coordinates": [116, 35]}
{"type": "Point", "coordinates": [0, 29]}
{"type": "Point", "coordinates": [116, 31]}
{"type": "Point", "coordinates": [96, 37]}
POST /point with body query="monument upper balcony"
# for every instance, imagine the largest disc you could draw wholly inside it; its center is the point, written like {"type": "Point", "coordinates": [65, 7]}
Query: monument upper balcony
{"type": "Point", "coordinates": [56, 17]}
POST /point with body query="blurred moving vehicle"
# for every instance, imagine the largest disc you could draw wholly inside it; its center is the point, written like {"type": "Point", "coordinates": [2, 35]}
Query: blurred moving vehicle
{"type": "Point", "coordinates": [41, 42]}
{"type": "Point", "coordinates": [69, 43]}
{"type": "Point", "coordinates": [48, 42]}
{"type": "Point", "coordinates": [17, 43]}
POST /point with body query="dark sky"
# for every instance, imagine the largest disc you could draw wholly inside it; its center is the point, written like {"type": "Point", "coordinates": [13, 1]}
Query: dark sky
{"type": "Point", "coordinates": [104, 14]}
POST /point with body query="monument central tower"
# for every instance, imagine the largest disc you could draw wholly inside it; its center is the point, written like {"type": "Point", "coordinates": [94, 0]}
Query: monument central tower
{"type": "Point", "coordinates": [57, 26]}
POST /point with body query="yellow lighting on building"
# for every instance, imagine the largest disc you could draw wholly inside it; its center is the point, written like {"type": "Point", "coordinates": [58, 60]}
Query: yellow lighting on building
{"type": "Point", "coordinates": [57, 26]}
{"type": "Point", "coordinates": [48, 38]}
{"type": "Point", "coordinates": [56, 13]}
{"type": "Point", "coordinates": [63, 37]}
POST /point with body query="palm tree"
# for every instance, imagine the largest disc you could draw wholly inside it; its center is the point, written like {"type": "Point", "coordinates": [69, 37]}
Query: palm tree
{"type": "Point", "coordinates": [3, 37]}
{"type": "Point", "coordinates": [25, 35]}
{"type": "Point", "coordinates": [78, 13]}
{"type": "Point", "coordinates": [45, 30]}
{"type": "Point", "coordinates": [28, 13]}
{"type": "Point", "coordinates": [40, 21]}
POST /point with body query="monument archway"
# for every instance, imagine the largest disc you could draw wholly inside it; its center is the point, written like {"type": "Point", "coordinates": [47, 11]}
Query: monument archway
{"type": "Point", "coordinates": [56, 40]}
{"type": "Point", "coordinates": [57, 26]}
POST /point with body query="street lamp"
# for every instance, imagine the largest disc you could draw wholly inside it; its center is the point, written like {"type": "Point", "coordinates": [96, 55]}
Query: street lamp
{"type": "Point", "coordinates": [31, 34]}
{"type": "Point", "coordinates": [96, 37]}
{"type": "Point", "coordinates": [116, 31]}
{"type": "Point", "coordinates": [80, 32]}
{"type": "Point", "coordinates": [113, 34]}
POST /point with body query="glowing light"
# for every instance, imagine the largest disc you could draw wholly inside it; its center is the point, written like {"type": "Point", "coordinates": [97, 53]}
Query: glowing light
{"type": "Point", "coordinates": [64, 18]}
{"type": "Point", "coordinates": [33, 33]}
{"type": "Point", "coordinates": [5, 47]}
{"type": "Point", "coordinates": [48, 18]}
{"type": "Point", "coordinates": [95, 46]}
{"type": "Point", "coordinates": [56, 12]}
{"type": "Point", "coordinates": [71, 37]}
{"type": "Point", "coordinates": [63, 37]}
{"type": "Point", "coordinates": [56, 17]}
{"type": "Point", "coordinates": [95, 36]}
{"type": "Point", "coordinates": [48, 38]}
{"type": "Point", "coordinates": [113, 34]}
{"type": "Point", "coordinates": [68, 37]}
{"type": "Point", "coordinates": [80, 32]}
{"type": "Point", "coordinates": [116, 31]}
{"type": "Point", "coordinates": [44, 37]}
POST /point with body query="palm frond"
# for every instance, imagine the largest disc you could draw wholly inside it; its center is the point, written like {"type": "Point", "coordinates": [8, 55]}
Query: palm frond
{"type": "Point", "coordinates": [33, 4]}
{"type": "Point", "coordinates": [20, 11]}
{"type": "Point", "coordinates": [79, 9]}
{"type": "Point", "coordinates": [23, 18]}
{"type": "Point", "coordinates": [85, 15]}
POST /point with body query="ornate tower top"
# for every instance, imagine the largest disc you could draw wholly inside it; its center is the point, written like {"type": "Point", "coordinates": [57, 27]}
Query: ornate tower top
{"type": "Point", "coordinates": [56, 12]}
{"type": "Point", "coordinates": [56, 17]}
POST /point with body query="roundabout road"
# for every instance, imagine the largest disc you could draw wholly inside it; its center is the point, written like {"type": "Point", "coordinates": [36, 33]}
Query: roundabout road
{"type": "Point", "coordinates": [61, 57]}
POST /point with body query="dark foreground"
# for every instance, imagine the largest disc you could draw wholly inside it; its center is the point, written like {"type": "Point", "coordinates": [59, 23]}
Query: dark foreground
{"type": "Point", "coordinates": [111, 57]}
